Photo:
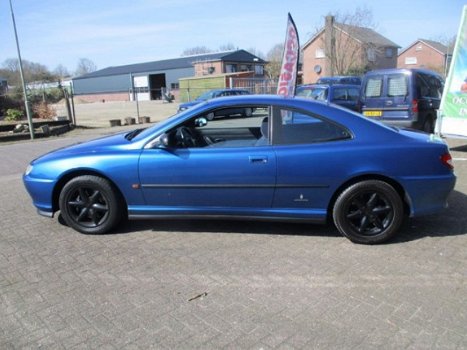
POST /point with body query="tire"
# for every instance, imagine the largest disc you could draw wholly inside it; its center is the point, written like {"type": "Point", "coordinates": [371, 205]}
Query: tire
{"type": "Point", "coordinates": [90, 204]}
{"type": "Point", "coordinates": [368, 212]}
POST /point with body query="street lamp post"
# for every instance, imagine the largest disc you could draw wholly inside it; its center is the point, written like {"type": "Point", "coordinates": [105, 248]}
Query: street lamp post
{"type": "Point", "coordinates": [26, 102]}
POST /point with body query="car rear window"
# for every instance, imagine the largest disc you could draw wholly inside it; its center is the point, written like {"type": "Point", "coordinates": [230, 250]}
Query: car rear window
{"type": "Point", "coordinates": [316, 93]}
{"type": "Point", "coordinates": [374, 86]}
{"type": "Point", "coordinates": [397, 85]}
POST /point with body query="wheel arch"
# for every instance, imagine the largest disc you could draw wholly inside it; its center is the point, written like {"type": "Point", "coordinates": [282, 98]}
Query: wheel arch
{"type": "Point", "coordinates": [71, 175]}
{"type": "Point", "coordinates": [397, 186]}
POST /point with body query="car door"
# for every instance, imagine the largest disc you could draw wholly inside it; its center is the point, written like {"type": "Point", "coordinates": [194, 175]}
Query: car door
{"type": "Point", "coordinates": [227, 175]}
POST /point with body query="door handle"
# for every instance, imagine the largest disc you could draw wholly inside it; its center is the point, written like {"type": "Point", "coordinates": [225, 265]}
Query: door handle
{"type": "Point", "coordinates": [258, 159]}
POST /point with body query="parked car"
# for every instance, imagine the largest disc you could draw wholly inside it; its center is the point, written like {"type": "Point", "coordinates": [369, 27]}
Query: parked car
{"type": "Point", "coordinates": [402, 97]}
{"type": "Point", "coordinates": [340, 79]}
{"type": "Point", "coordinates": [208, 95]}
{"type": "Point", "coordinates": [338, 165]}
{"type": "Point", "coordinates": [343, 95]}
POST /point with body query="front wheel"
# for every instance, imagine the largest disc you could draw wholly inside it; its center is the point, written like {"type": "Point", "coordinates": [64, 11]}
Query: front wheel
{"type": "Point", "coordinates": [368, 212]}
{"type": "Point", "coordinates": [90, 204]}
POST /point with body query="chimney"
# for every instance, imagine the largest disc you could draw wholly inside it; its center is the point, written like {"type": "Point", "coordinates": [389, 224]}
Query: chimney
{"type": "Point", "coordinates": [329, 43]}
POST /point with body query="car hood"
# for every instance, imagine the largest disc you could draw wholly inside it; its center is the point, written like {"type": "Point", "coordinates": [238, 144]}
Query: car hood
{"type": "Point", "coordinates": [93, 147]}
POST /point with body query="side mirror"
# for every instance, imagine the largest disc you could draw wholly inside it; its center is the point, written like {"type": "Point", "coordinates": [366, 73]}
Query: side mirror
{"type": "Point", "coordinates": [200, 122]}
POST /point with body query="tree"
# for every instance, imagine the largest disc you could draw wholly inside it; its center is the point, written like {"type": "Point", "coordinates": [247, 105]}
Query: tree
{"type": "Point", "coordinates": [61, 72]}
{"type": "Point", "coordinates": [85, 66]}
{"type": "Point", "coordinates": [256, 52]}
{"type": "Point", "coordinates": [274, 58]}
{"type": "Point", "coordinates": [33, 72]}
{"type": "Point", "coordinates": [344, 55]}
{"type": "Point", "coordinates": [449, 42]}
{"type": "Point", "coordinates": [197, 50]}
{"type": "Point", "coordinates": [227, 47]}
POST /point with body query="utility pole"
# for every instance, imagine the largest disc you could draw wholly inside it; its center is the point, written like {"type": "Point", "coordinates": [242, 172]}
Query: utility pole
{"type": "Point", "coordinates": [26, 102]}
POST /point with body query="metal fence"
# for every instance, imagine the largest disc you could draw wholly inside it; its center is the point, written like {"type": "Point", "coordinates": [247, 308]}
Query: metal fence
{"type": "Point", "coordinates": [255, 85]}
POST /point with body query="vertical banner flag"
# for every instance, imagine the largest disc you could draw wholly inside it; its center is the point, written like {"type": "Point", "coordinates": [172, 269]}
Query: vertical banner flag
{"type": "Point", "coordinates": [289, 65]}
{"type": "Point", "coordinates": [452, 116]}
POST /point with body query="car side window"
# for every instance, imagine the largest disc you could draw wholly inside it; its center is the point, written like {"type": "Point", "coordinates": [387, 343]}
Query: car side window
{"type": "Point", "coordinates": [353, 94]}
{"type": "Point", "coordinates": [422, 86]}
{"type": "Point", "coordinates": [297, 127]}
{"type": "Point", "coordinates": [232, 127]}
{"type": "Point", "coordinates": [340, 94]}
{"type": "Point", "coordinates": [433, 85]}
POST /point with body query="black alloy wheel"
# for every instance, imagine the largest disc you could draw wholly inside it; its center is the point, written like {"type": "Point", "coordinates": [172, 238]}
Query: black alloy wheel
{"type": "Point", "coordinates": [368, 212]}
{"type": "Point", "coordinates": [90, 204]}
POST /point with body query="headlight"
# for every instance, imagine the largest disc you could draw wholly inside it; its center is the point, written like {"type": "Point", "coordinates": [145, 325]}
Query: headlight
{"type": "Point", "coordinates": [28, 170]}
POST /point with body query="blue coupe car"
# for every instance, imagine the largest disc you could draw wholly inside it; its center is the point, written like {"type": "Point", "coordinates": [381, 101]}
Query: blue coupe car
{"type": "Point", "coordinates": [293, 159]}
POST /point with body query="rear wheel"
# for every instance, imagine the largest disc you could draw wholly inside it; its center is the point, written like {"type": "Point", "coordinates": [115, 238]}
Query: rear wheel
{"type": "Point", "coordinates": [368, 212]}
{"type": "Point", "coordinates": [90, 204]}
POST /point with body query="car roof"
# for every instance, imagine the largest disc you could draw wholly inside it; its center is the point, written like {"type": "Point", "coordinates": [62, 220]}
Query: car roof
{"type": "Point", "coordinates": [401, 70]}
{"type": "Point", "coordinates": [354, 86]}
{"type": "Point", "coordinates": [228, 89]}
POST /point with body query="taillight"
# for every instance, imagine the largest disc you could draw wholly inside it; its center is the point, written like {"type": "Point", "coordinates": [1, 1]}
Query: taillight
{"type": "Point", "coordinates": [415, 106]}
{"type": "Point", "coordinates": [446, 159]}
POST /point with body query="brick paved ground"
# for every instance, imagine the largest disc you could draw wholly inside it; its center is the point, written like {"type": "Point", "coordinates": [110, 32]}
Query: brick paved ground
{"type": "Point", "coordinates": [226, 285]}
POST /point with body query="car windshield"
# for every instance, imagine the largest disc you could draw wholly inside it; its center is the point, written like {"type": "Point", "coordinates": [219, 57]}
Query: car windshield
{"type": "Point", "coordinates": [316, 93]}
{"type": "Point", "coordinates": [206, 96]}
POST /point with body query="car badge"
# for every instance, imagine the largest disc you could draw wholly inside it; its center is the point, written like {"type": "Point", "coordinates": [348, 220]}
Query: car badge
{"type": "Point", "coordinates": [301, 199]}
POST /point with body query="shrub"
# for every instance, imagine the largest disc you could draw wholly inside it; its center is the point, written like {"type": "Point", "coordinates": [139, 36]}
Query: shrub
{"type": "Point", "coordinates": [42, 110]}
{"type": "Point", "coordinates": [13, 115]}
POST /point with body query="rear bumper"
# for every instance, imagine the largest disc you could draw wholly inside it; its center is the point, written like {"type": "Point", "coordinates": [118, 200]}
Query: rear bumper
{"type": "Point", "coordinates": [402, 118]}
{"type": "Point", "coordinates": [428, 195]}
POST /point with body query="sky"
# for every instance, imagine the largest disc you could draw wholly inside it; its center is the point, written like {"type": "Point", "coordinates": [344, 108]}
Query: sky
{"type": "Point", "coordinates": [115, 32]}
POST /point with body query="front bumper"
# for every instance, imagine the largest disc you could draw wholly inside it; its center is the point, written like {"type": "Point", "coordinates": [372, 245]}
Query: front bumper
{"type": "Point", "coordinates": [41, 192]}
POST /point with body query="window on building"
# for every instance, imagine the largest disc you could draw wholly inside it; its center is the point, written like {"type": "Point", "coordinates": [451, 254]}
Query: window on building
{"type": "Point", "coordinates": [371, 53]}
{"type": "Point", "coordinates": [230, 68]}
{"type": "Point", "coordinates": [319, 53]}
{"type": "Point", "coordinates": [411, 60]}
{"type": "Point", "coordinates": [259, 70]}
{"type": "Point", "coordinates": [389, 52]}
{"type": "Point", "coordinates": [175, 86]}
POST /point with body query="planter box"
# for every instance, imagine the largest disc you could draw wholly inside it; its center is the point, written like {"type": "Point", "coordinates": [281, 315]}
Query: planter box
{"type": "Point", "coordinates": [144, 120]}
{"type": "Point", "coordinates": [115, 122]}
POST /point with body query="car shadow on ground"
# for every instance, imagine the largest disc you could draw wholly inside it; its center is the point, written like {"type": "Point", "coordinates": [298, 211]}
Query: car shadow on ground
{"type": "Point", "coordinates": [229, 226]}
{"type": "Point", "coordinates": [459, 148]}
{"type": "Point", "coordinates": [450, 222]}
